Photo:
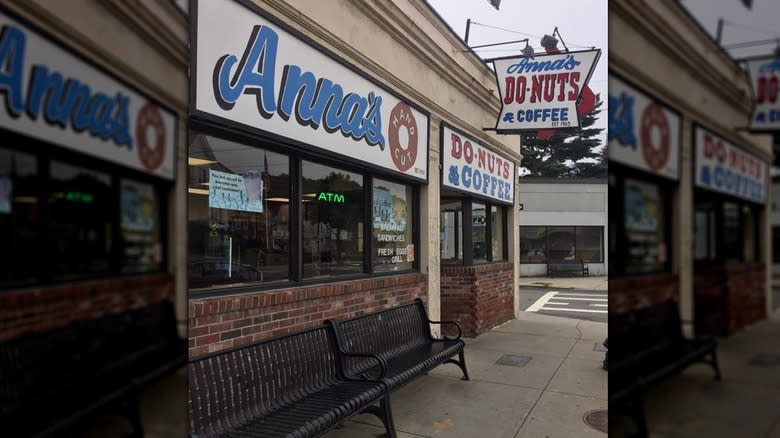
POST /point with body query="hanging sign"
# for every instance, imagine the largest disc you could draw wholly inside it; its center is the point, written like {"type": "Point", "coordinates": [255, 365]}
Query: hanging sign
{"type": "Point", "coordinates": [725, 168]}
{"type": "Point", "coordinates": [542, 93]}
{"type": "Point", "coordinates": [642, 132]}
{"type": "Point", "coordinates": [469, 167]}
{"type": "Point", "coordinates": [53, 95]}
{"type": "Point", "coordinates": [252, 71]}
{"type": "Point", "coordinates": [763, 74]}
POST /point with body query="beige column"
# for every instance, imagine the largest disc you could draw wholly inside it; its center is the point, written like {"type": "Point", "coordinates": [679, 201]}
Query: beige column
{"type": "Point", "coordinates": [766, 250]}
{"type": "Point", "coordinates": [682, 227]}
{"type": "Point", "coordinates": [177, 227]}
{"type": "Point", "coordinates": [429, 226]}
{"type": "Point", "coordinates": [513, 240]}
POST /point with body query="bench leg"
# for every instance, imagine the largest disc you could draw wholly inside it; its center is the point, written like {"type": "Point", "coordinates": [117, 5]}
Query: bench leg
{"type": "Point", "coordinates": [461, 363]}
{"type": "Point", "coordinates": [714, 364]}
{"type": "Point", "coordinates": [133, 411]}
{"type": "Point", "coordinates": [385, 414]}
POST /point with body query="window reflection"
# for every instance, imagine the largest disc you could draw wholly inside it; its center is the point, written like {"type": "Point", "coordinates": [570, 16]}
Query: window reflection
{"type": "Point", "coordinates": [333, 224]}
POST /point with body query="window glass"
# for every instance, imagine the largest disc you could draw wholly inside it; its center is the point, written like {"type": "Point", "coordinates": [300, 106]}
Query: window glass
{"type": "Point", "coordinates": [81, 211]}
{"type": "Point", "coordinates": [238, 212]}
{"type": "Point", "coordinates": [748, 235]}
{"type": "Point", "coordinates": [732, 234]}
{"type": "Point", "coordinates": [498, 229]}
{"type": "Point", "coordinates": [392, 226]}
{"type": "Point", "coordinates": [333, 212]}
{"type": "Point", "coordinates": [560, 242]}
{"type": "Point", "coordinates": [533, 244]}
{"type": "Point", "coordinates": [645, 235]}
{"type": "Point", "coordinates": [139, 222]}
{"type": "Point", "coordinates": [590, 244]}
{"type": "Point", "coordinates": [451, 219]}
{"type": "Point", "coordinates": [19, 218]}
{"type": "Point", "coordinates": [479, 232]}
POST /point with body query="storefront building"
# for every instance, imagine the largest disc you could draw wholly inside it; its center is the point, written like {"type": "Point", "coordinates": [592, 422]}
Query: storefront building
{"type": "Point", "coordinates": [317, 170]}
{"type": "Point", "coordinates": [688, 187]}
{"type": "Point", "coordinates": [93, 144]}
{"type": "Point", "coordinates": [563, 219]}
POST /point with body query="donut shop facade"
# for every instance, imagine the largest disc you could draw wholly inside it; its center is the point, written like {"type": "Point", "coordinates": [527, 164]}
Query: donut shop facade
{"type": "Point", "coordinates": [688, 184]}
{"type": "Point", "coordinates": [318, 135]}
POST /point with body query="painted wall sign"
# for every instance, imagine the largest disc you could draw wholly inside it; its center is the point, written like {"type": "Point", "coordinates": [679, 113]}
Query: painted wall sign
{"type": "Point", "coordinates": [251, 71]}
{"type": "Point", "coordinates": [763, 74]}
{"type": "Point", "coordinates": [54, 96]}
{"type": "Point", "coordinates": [236, 192]}
{"type": "Point", "coordinates": [542, 92]}
{"type": "Point", "coordinates": [472, 168]}
{"type": "Point", "coordinates": [725, 168]}
{"type": "Point", "coordinates": [642, 132]}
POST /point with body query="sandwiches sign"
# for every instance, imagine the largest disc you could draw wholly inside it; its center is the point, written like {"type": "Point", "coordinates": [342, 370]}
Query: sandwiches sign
{"type": "Point", "coordinates": [542, 92]}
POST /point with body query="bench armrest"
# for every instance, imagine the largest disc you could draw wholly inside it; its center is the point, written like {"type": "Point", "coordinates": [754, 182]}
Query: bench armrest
{"type": "Point", "coordinates": [456, 323]}
{"type": "Point", "coordinates": [378, 358]}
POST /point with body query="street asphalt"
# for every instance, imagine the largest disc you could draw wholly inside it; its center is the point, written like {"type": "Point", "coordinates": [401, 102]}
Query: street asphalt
{"type": "Point", "coordinates": [590, 305]}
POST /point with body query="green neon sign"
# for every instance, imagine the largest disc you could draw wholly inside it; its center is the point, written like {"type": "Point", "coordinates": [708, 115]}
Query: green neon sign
{"type": "Point", "coordinates": [335, 198]}
{"type": "Point", "coordinates": [82, 197]}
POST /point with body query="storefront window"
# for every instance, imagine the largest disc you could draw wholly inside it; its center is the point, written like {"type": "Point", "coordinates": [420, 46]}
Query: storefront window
{"type": "Point", "coordinates": [140, 225]}
{"type": "Point", "coordinates": [392, 226]}
{"type": "Point", "coordinates": [20, 184]}
{"type": "Point", "coordinates": [451, 218]}
{"type": "Point", "coordinates": [731, 232]}
{"type": "Point", "coordinates": [333, 220]}
{"type": "Point", "coordinates": [497, 235]}
{"type": "Point", "coordinates": [533, 244]}
{"type": "Point", "coordinates": [589, 244]}
{"type": "Point", "coordinates": [537, 244]}
{"type": "Point", "coordinates": [479, 232]}
{"type": "Point", "coordinates": [81, 207]}
{"type": "Point", "coordinates": [238, 213]}
{"type": "Point", "coordinates": [645, 234]}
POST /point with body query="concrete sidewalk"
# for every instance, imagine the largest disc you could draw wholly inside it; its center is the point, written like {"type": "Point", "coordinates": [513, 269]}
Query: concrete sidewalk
{"type": "Point", "coordinates": [547, 397]}
{"type": "Point", "coordinates": [585, 283]}
{"type": "Point", "coordinates": [746, 403]}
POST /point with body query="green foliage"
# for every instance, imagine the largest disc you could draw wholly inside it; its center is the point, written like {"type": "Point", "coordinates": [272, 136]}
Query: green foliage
{"type": "Point", "coordinates": [561, 155]}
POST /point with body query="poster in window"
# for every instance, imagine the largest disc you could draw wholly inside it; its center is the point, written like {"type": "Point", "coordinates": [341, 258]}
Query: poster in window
{"type": "Point", "coordinates": [5, 194]}
{"type": "Point", "coordinates": [641, 206]}
{"type": "Point", "coordinates": [138, 206]}
{"type": "Point", "coordinates": [236, 192]}
{"type": "Point", "coordinates": [390, 228]}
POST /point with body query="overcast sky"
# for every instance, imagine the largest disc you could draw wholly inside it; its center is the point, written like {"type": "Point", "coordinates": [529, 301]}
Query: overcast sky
{"type": "Point", "coordinates": [582, 24]}
{"type": "Point", "coordinates": [741, 24]}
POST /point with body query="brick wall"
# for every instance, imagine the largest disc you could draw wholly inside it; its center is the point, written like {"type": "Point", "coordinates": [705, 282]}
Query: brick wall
{"type": "Point", "coordinates": [479, 297]}
{"type": "Point", "coordinates": [223, 322]}
{"type": "Point", "coordinates": [728, 298]}
{"type": "Point", "coordinates": [35, 310]}
{"type": "Point", "coordinates": [631, 293]}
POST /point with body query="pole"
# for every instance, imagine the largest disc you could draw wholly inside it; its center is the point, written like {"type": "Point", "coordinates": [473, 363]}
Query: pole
{"type": "Point", "coordinates": [468, 26]}
{"type": "Point", "coordinates": [719, 33]}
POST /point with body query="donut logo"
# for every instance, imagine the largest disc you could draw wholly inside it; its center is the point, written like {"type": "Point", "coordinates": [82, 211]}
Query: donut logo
{"type": "Point", "coordinates": [149, 118]}
{"type": "Point", "coordinates": [404, 156]}
{"type": "Point", "coordinates": [655, 155]}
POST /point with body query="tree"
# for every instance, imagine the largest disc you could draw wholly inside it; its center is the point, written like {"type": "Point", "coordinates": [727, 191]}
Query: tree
{"type": "Point", "coordinates": [562, 154]}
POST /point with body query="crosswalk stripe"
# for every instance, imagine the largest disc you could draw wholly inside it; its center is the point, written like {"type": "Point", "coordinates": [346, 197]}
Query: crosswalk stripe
{"type": "Point", "coordinates": [559, 297]}
{"type": "Point", "coordinates": [541, 301]}
{"type": "Point", "coordinates": [573, 294]}
{"type": "Point", "coordinates": [557, 303]}
{"type": "Point", "coordinates": [574, 310]}
{"type": "Point", "coordinates": [599, 305]}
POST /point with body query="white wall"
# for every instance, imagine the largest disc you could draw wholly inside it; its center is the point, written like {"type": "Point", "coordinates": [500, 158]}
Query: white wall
{"type": "Point", "coordinates": [564, 204]}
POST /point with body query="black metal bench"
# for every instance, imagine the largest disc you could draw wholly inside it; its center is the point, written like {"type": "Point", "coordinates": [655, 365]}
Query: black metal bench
{"type": "Point", "coordinates": [567, 267]}
{"type": "Point", "coordinates": [288, 386]}
{"type": "Point", "coordinates": [648, 346]}
{"type": "Point", "coordinates": [401, 336]}
{"type": "Point", "coordinates": [50, 381]}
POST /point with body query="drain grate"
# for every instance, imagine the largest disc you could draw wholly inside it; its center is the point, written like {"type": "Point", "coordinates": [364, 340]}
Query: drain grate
{"type": "Point", "coordinates": [597, 420]}
{"type": "Point", "coordinates": [513, 360]}
{"type": "Point", "coordinates": [769, 360]}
